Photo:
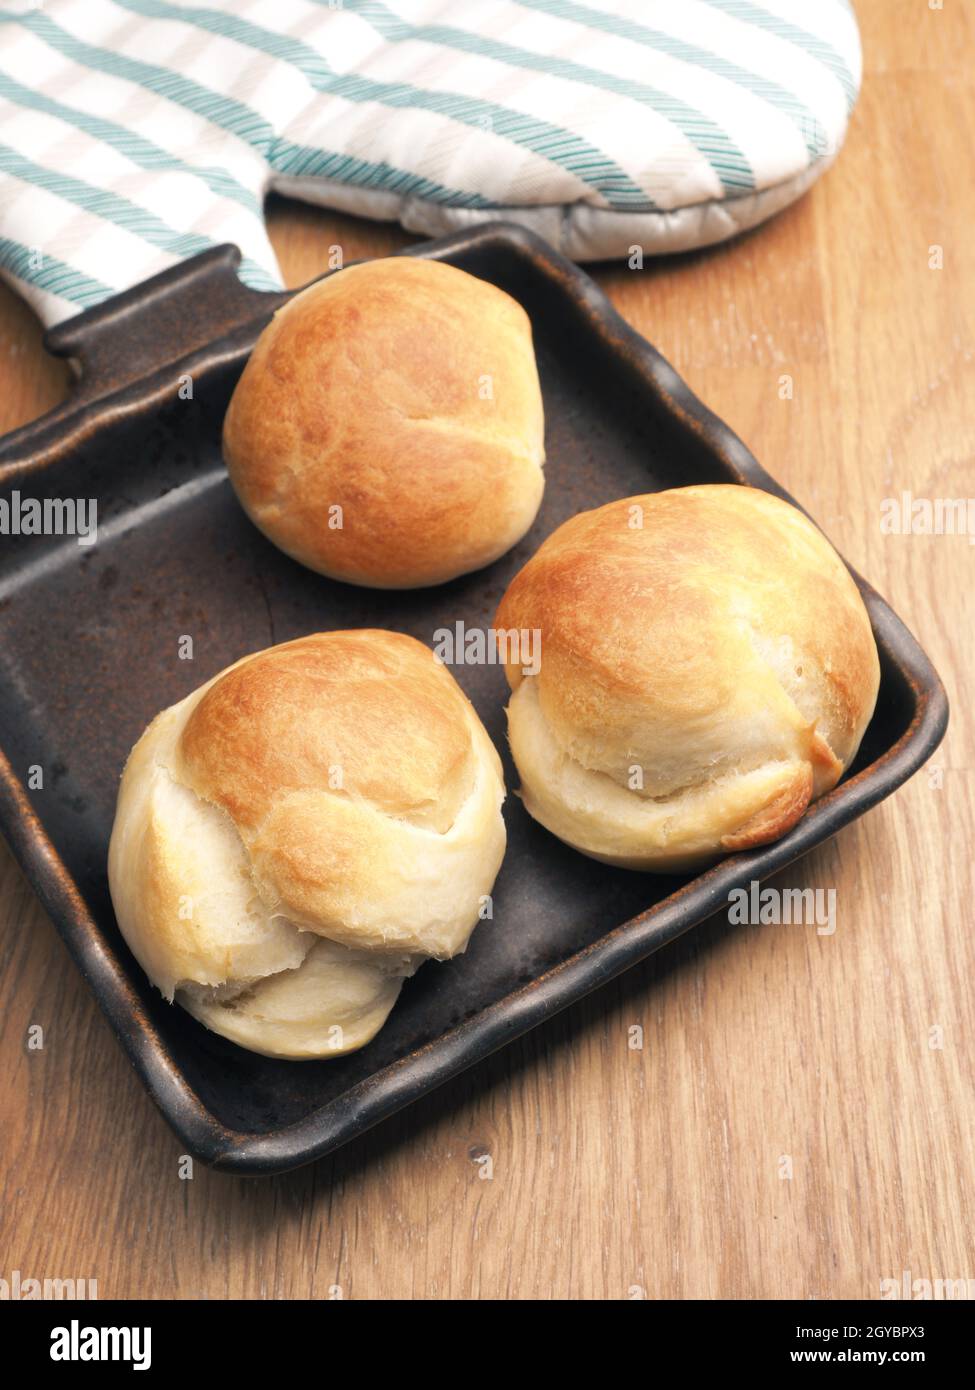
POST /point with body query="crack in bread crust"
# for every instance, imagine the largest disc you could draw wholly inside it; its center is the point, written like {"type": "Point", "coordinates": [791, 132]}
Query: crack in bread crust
{"type": "Point", "coordinates": [305, 914]}
{"type": "Point", "coordinates": [709, 636]}
{"type": "Point", "coordinates": [773, 820]}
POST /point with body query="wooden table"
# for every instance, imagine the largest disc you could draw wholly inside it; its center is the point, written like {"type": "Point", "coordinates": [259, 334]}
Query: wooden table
{"type": "Point", "coordinates": [661, 1171]}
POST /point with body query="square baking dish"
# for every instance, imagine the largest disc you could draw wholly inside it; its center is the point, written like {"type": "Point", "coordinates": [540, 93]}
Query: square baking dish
{"type": "Point", "coordinates": [90, 652]}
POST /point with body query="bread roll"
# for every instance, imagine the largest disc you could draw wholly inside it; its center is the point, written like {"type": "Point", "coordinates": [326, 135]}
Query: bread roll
{"type": "Point", "coordinates": [388, 428]}
{"type": "Point", "coordinates": [707, 669]}
{"type": "Point", "coordinates": [301, 832]}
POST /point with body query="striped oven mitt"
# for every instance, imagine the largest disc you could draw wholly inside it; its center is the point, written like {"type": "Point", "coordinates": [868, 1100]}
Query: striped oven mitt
{"type": "Point", "coordinates": [137, 132]}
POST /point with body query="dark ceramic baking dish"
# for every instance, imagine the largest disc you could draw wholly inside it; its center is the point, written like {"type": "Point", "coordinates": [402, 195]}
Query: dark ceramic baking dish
{"type": "Point", "coordinates": [90, 641]}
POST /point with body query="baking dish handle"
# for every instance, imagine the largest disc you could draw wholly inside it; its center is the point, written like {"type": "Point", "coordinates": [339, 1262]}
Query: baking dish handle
{"type": "Point", "coordinates": [153, 325]}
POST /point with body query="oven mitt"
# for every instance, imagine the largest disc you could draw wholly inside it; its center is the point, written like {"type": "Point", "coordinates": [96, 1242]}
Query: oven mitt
{"type": "Point", "coordinates": [134, 133]}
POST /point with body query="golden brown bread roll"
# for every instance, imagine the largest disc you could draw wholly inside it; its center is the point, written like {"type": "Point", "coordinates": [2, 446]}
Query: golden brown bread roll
{"type": "Point", "coordinates": [388, 427]}
{"type": "Point", "coordinates": [707, 669]}
{"type": "Point", "coordinates": [296, 836]}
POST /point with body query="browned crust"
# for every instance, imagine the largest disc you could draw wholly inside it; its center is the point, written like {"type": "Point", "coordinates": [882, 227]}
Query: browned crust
{"type": "Point", "coordinates": [773, 820]}
{"type": "Point", "coordinates": [722, 634]}
{"type": "Point", "coordinates": [405, 394]}
{"type": "Point", "coordinates": [365, 713]}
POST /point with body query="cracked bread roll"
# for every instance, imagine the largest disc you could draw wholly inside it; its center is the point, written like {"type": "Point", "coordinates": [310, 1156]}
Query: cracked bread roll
{"type": "Point", "coordinates": [388, 427]}
{"type": "Point", "coordinates": [707, 669]}
{"type": "Point", "coordinates": [296, 836]}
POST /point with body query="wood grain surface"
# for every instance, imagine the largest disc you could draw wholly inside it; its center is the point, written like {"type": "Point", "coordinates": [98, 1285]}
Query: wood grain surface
{"type": "Point", "coordinates": [800, 1119]}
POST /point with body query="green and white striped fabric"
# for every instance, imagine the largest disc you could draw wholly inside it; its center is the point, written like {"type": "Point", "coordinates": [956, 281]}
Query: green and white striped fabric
{"type": "Point", "coordinates": [137, 132]}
